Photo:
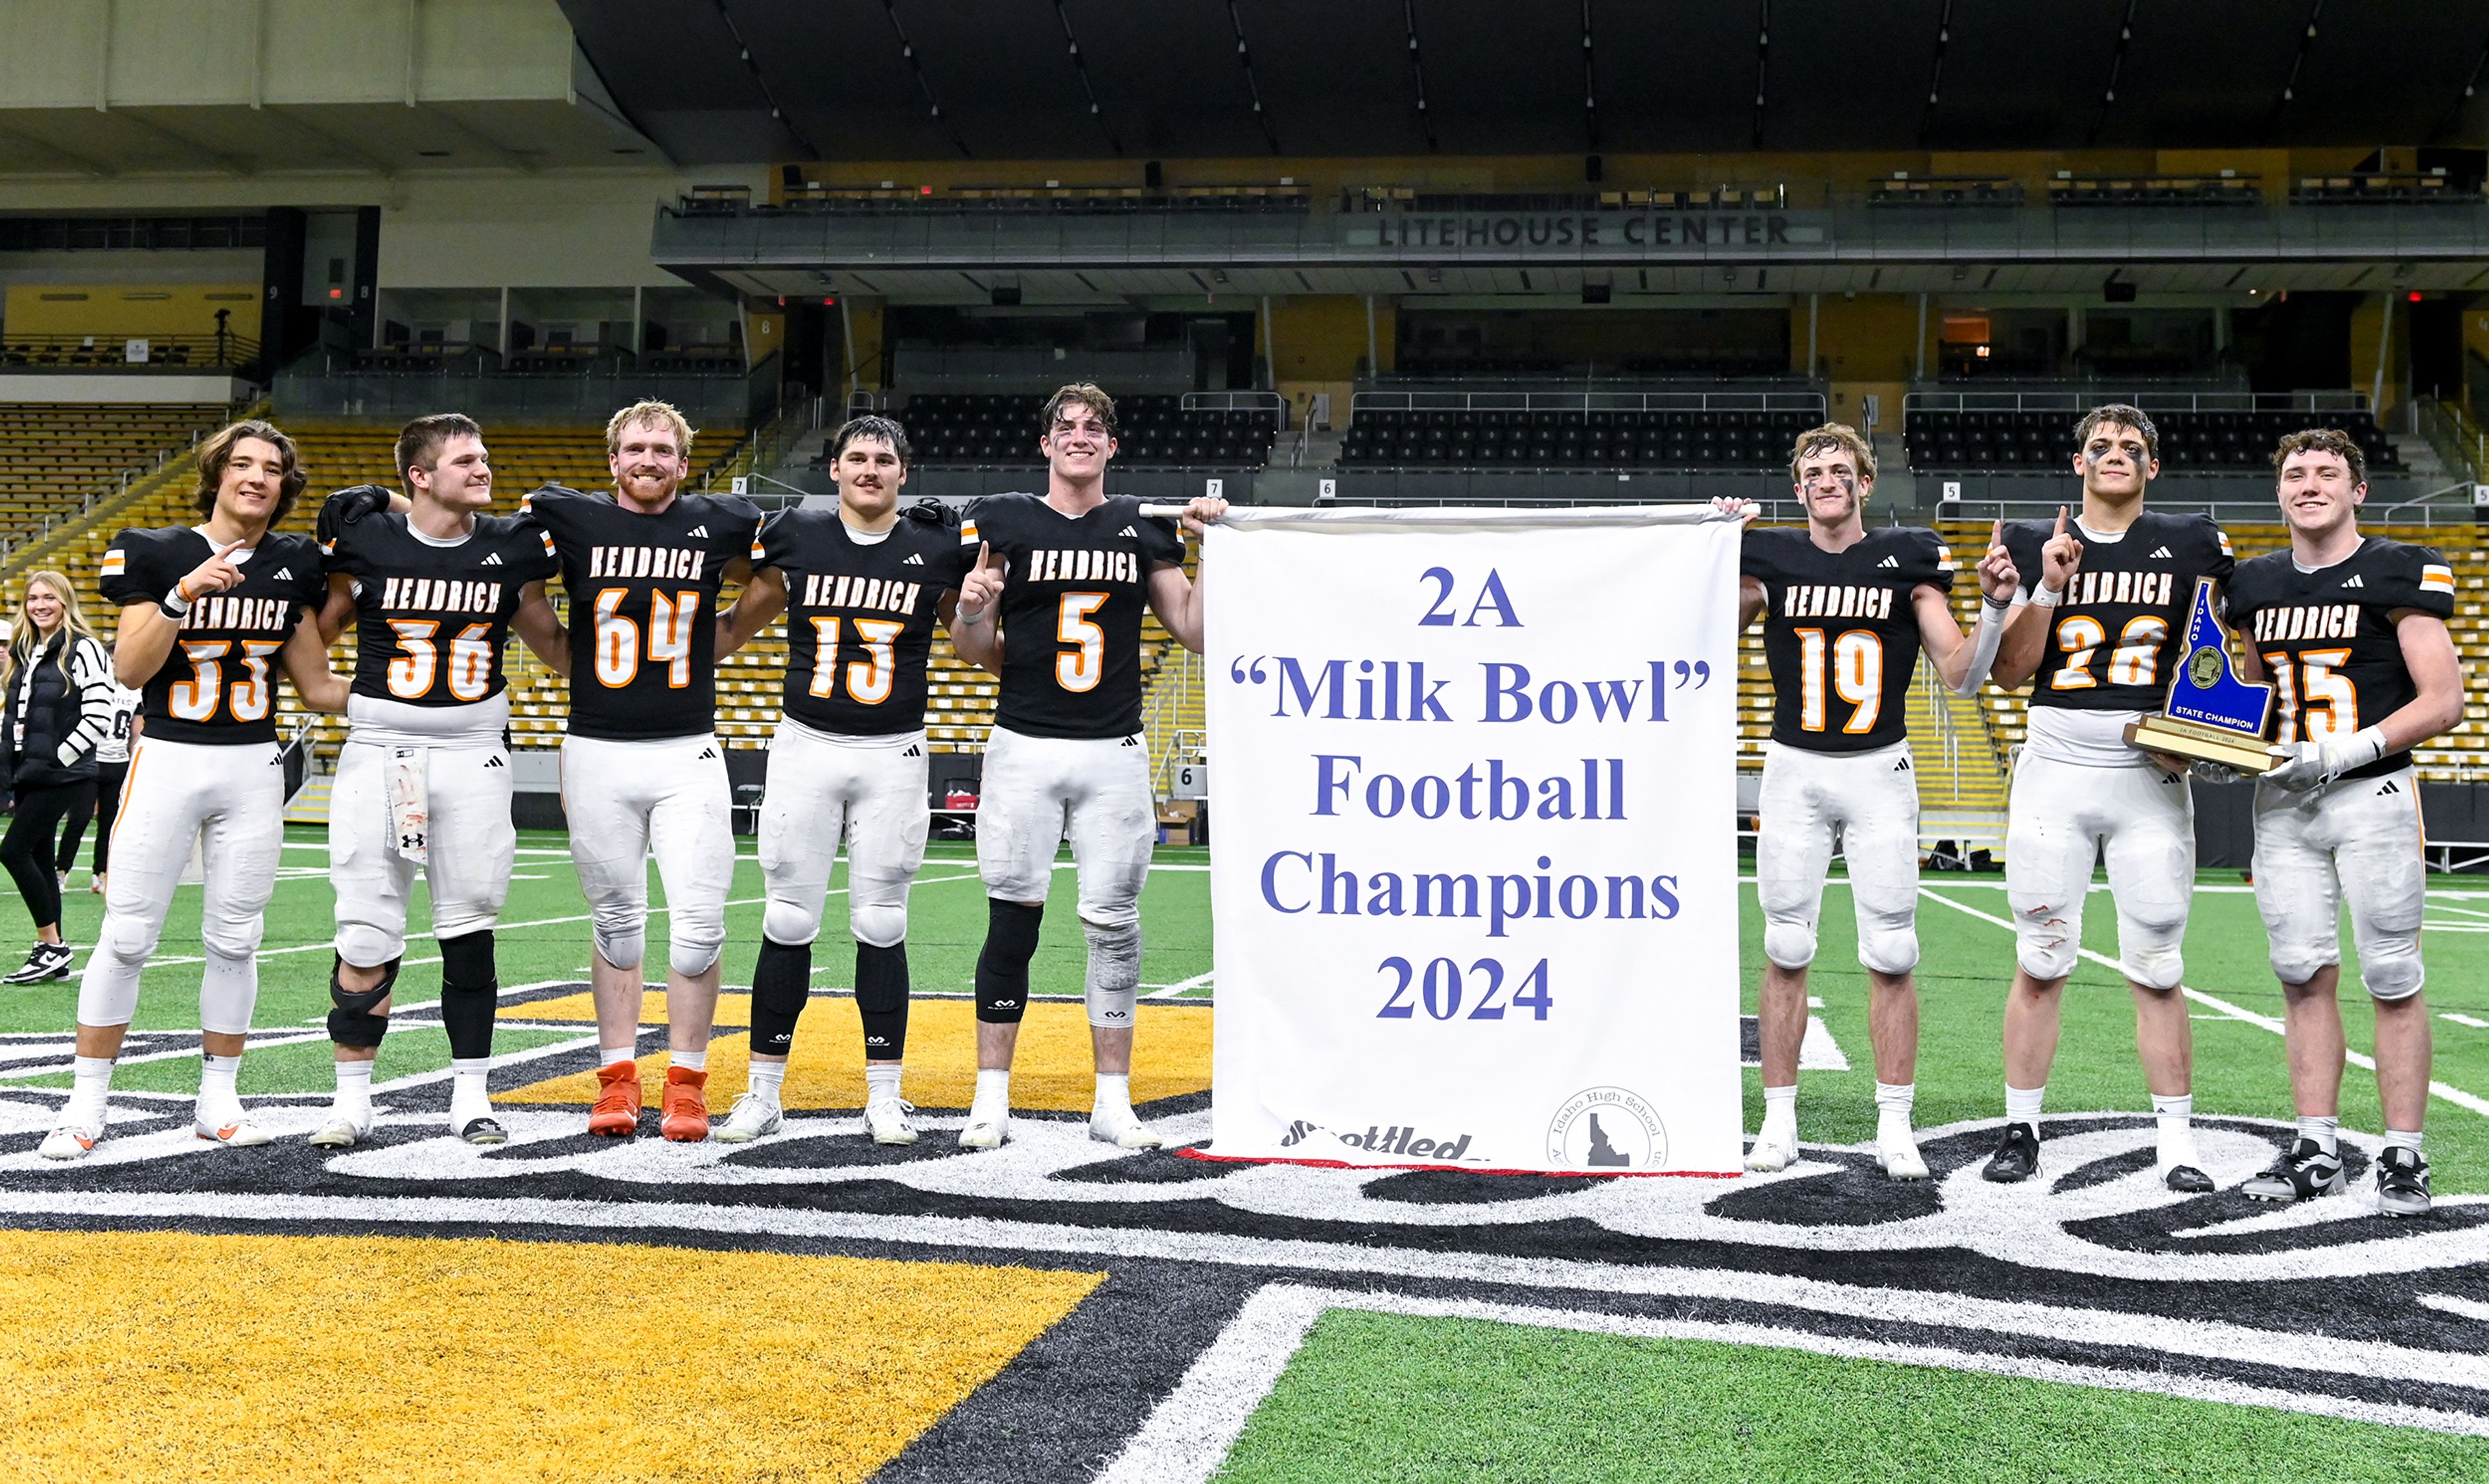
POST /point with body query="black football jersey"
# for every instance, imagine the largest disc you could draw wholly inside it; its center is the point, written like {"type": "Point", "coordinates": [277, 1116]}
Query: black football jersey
{"type": "Point", "coordinates": [219, 683]}
{"type": "Point", "coordinates": [1076, 588]}
{"type": "Point", "coordinates": [2113, 643]}
{"type": "Point", "coordinates": [644, 607]}
{"type": "Point", "coordinates": [1840, 633]}
{"type": "Point", "coordinates": [431, 622]}
{"type": "Point", "coordinates": [2326, 638]}
{"type": "Point", "coordinates": [859, 616]}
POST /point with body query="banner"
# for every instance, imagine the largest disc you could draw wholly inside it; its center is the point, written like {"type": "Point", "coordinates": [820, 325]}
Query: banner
{"type": "Point", "coordinates": [1474, 876]}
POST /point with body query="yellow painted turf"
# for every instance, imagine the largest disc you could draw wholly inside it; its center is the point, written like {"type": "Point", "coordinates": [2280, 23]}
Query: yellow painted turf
{"type": "Point", "coordinates": [1052, 1069]}
{"type": "Point", "coordinates": [166, 1355]}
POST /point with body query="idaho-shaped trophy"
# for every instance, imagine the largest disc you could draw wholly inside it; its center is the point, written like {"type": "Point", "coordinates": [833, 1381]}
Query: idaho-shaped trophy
{"type": "Point", "coordinates": [2211, 714]}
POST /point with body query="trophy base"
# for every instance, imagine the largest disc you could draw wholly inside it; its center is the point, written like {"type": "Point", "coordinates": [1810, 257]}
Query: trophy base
{"type": "Point", "coordinates": [2202, 744]}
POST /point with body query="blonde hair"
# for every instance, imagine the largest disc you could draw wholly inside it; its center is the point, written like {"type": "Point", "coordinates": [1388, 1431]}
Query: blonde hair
{"type": "Point", "coordinates": [1831, 436]}
{"type": "Point", "coordinates": [661, 414]}
{"type": "Point", "coordinates": [24, 637]}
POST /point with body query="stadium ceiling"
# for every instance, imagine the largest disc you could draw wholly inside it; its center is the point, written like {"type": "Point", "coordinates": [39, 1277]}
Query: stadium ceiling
{"type": "Point", "coordinates": [744, 80]}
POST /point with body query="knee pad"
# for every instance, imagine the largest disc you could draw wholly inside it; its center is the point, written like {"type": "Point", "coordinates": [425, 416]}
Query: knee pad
{"type": "Point", "coordinates": [621, 935]}
{"type": "Point", "coordinates": [2048, 936]}
{"type": "Point", "coordinates": [882, 999]}
{"type": "Point", "coordinates": [878, 924]}
{"type": "Point", "coordinates": [107, 992]}
{"type": "Point", "coordinates": [2296, 963]}
{"type": "Point", "coordinates": [789, 921]}
{"type": "Point", "coordinates": [1887, 948]}
{"type": "Point", "coordinates": [128, 939]}
{"type": "Point", "coordinates": [2392, 973]}
{"type": "Point", "coordinates": [470, 993]}
{"type": "Point", "coordinates": [1002, 966]}
{"type": "Point", "coordinates": [782, 984]}
{"type": "Point", "coordinates": [367, 947]}
{"type": "Point", "coordinates": [1788, 945]}
{"type": "Point", "coordinates": [693, 947]}
{"type": "Point", "coordinates": [233, 939]}
{"type": "Point", "coordinates": [351, 1021]}
{"type": "Point", "coordinates": [2152, 952]}
{"type": "Point", "coordinates": [1114, 978]}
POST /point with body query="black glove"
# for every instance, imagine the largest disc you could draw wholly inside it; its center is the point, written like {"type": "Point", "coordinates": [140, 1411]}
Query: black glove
{"type": "Point", "coordinates": [349, 506]}
{"type": "Point", "coordinates": [932, 512]}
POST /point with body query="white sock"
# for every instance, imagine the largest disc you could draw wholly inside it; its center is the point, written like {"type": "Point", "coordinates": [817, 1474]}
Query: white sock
{"type": "Point", "coordinates": [90, 1093]}
{"type": "Point", "coordinates": [1780, 1112]}
{"type": "Point", "coordinates": [354, 1099]}
{"type": "Point", "coordinates": [768, 1078]}
{"type": "Point", "coordinates": [217, 1075]}
{"type": "Point", "coordinates": [994, 1096]}
{"type": "Point", "coordinates": [2022, 1104]}
{"type": "Point", "coordinates": [613, 1054]}
{"type": "Point", "coordinates": [1114, 1094]}
{"type": "Point", "coordinates": [689, 1060]}
{"type": "Point", "coordinates": [2396, 1138]}
{"type": "Point", "coordinates": [2177, 1141]}
{"type": "Point", "coordinates": [881, 1083]}
{"type": "Point", "coordinates": [2326, 1131]}
{"type": "Point", "coordinates": [469, 1098]}
{"type": "Point", "coordinates": [1893, 1106]}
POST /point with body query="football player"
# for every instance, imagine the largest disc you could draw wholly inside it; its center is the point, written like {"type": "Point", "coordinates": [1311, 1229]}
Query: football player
{"type": "Point", "coordinates": [642, 767]}
{"type": "Point", "coordinates": [2351, 631]}
{"type": "Point", "coordinates": [1053, 606]}
{"type": "Point", "coordinates": [1847, 610]}
{"type": "Point", "coordinates": [423, 781]}
{"type": "Point", "coordinates": [208, 614]}
{"type": "Point", "coordinates": [861, 588]}
{"type": "Point", "coordinates": [2096, 631]}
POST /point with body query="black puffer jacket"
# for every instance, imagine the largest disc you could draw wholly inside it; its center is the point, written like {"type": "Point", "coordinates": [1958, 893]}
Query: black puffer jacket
{"type": "Point", "coordinates": [59, 706]}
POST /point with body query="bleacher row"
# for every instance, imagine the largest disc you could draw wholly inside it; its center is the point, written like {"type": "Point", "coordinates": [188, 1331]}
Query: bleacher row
{"type": "Point", "coordinates": [55, 457]}
{"type": "Point", "coordinates": [2191, 441]}
{"type": "Point", "coordinates": [1474, 436]}
{"type": "Point", "coordinates": [998, 429]}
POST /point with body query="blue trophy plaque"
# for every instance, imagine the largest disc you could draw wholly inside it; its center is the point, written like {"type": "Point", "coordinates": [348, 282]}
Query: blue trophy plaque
{"type": "Point", "coordinates": [2211, 715]}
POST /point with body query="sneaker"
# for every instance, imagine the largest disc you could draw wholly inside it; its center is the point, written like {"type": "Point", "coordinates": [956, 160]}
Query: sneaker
{"type": "Point", "coordinates": [2187, 1180]}
{"type": "Point", "coordinates": [984, 1130]}
{"type": "Point", "coordinates": [1772, 1153]}
{"type": "Point", "coordinates": [2017, 1157]}
{"type": "Point", "coordinates": [2302, 1173]}
{"type": "Point", "coordinates": [485, 1130]}
{"type": "Point", "coordinates": [617, 1114]}
{"type": "Point", "coordinates": [234, 1128]}
{"type": "Point", "coordinates": [1899, 1154]}
{"type": "Point", "coordinates": [886, 1120]}
{"type": "Point", "coordinates": [2402, 1184]}
{"type": "Point", "coordinates": [1122, 1127]}
{"type": "Point", "coordinates": [685, 1118]}
{"type": "Point", "coordinates": [70, 1142]}
{"type": "Point", "coordinates": [754, 1116]}
{"type": "Point", "coordinates": [43, 962]}
{"type": "Point", "coordinates": [340, 1133]}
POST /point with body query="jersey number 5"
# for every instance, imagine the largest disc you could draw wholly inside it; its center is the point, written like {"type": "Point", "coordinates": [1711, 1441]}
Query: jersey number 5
{"type": "Point", "coordinates": [195, 700]}
{"type": "Point", "coordinates": [670, 638]}
{"type": "Point", "coordinates": [1080, 670]}
{"type": "Point", "coordinates": [867, 679]}
{"type": "Point", "coordinates": [1857, 674]}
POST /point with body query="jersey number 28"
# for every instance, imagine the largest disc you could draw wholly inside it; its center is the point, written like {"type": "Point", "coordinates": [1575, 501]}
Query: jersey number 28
{"type": "Point", "coordinates": [2134, 661]}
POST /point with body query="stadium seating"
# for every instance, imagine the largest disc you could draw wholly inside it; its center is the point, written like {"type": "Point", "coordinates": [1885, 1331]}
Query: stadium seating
{"type": "Point", "coordinates": [1493, 438]}
{"type": "Point", "coordinates": [994, 430]}
{"type": "Point", "coordinates": [54, 457]}
{"type": "Point", "coordinates": [2194, 442]}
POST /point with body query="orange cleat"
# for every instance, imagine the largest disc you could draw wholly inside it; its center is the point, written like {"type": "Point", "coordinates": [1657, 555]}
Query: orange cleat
{"type": "Point", "coordinates": [686, 1120]}
{"type": "Point", "coordinates": [617, 1114]}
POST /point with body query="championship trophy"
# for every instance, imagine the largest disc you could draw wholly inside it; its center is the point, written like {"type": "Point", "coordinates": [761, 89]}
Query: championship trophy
{"type": "Point", "coordinates": [2211, 715]}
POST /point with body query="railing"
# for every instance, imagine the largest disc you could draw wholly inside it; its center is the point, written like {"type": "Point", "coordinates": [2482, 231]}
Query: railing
{"type": "Point", "coordinates": [765, 447]}
{"type": "Point", "coordinates": [1173, 689]}
{"type": "Point", "coordinates": [2148, 399]}
{"type": "Point", "coordinates": [1238, 401]}
{"type": "Point", "coordinates": [312, 385]}
{"type": "Point", "coordinates": [1585, 401]}
{"type": "Point", "coordinates": [2457, 438]}
{"type": "Point", "coordinates": [128, 353]}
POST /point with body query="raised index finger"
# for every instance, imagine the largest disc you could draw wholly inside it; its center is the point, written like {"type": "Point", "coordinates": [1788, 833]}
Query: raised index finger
{"type": "Point", "coordinates": [1997, 532]}
{"type": "Point", "coordinates": [229, 551]}
{"type": "Point", "coordinates": [2061, 520]}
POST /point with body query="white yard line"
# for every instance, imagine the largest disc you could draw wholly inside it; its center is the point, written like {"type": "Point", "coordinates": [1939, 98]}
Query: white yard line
{"type": "Point", "coordinates": [2454, 1094]}
{"type": "Point", "coordinates": [1171, 991]}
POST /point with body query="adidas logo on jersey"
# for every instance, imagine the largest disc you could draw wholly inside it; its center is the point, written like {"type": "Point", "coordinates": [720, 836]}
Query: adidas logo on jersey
{"type": "Point", "coordinates": [1890, 561]}
{"type": "Point", "coordinates": [2159, 554]}
{"type": "Point", "coordinates": [913, 561]}
{"type": "Point", "coordinates": [1130, 531]}
{"type": "Point", "coordinates": [493, 560]}
{"type": "Point", "coordinates": [2353, 580]}
{"type": "Point", "coordinates": [285, 574]}
{"type": "Point", "coordinates": [699, 531]}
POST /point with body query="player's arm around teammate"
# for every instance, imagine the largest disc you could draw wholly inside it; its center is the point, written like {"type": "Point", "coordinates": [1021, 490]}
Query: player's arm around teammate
{"type": "Point", "coordinates": [2346, 627]}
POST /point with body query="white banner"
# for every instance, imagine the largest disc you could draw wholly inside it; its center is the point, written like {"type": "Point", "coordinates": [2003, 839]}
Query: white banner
{"type": "Point", "coordinates": [1475, 876]}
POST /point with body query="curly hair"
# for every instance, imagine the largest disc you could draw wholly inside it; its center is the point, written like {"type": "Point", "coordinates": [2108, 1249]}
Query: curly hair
{"type": "Point", "coordinates": [2333, 441]}
{"type": "Point", "coordinates": [1831, 436]}
{"type": "Point", "coordinates": [215, 452]}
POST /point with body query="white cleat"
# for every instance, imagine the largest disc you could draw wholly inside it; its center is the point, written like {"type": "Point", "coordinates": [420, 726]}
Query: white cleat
{"type": "Point", "coordinates": [70, 1142]}
{"type": "Point", "coordinates": [1901, 1157]}
{"type": "Point", "coordinates": [984, 1130]}
{"type": "Point", "coordinates": [1123, 1128]}
{"type": "Point", "coordinates": [1772, 1153]}
{"type": "Point", "coordinates": [753, 1117]}
{"type": "Point", "coordinates": [338, 1132]}
{"type": "Point", "coordinates": [238, 1130]}
{"type": "Point", "coordinates": [886, 1120]}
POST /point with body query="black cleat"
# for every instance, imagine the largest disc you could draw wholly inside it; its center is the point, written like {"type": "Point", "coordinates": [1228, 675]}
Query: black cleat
{"type": "Point", "coordinates": [2402, 1184]}
{"type": "Point", "coordinates": [2017, 1157]}
{"type": "Point", "coordinates": [2187, 1180]}
{"type": "Point", "coordinates": [2303, 1174]}
{"type": "Point", "coordinates": [484, 1130]}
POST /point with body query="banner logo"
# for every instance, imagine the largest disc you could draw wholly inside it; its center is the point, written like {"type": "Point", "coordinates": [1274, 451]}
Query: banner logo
{"type": "Point", "coordinates": [1607, 1127]}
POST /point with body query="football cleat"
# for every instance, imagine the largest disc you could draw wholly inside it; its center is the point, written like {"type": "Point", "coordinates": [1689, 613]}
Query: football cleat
{"type": "Point", "coordinates": [70, 1142]}
{"type": "Point", "coordinates": [886, 1120]}
{"type": "Point", "coordinates": [234, 1128]}
{"type": "Point", "coordinates": [617, 1114]}
{"type": "Point", "coordinates": [754, 1116]}
{"type": "Point", "coordinates": [43, 962]}
{"type": "Point", "coordinates": [1772, 1153]}
{"type": "Point", "coordinates": [2187, 1180]}
{"type": "Point", "coordinates": [484, 1130]}
{"type": "Point", "coordinates": [2302, 1173]}
{"type": "Point", "coordinates": [2402, 1183]}
{"type": "Point", "coordinates": [1901, 1157]}
{"type": "Point", "coordinates": [340, 1133]}
{"type": "Point", "coordinates": [2017, 1157]}
{"type": "Point", "coordinates": [685, 1119]}
{"type": "Point", "coordinates": [1122, 1127]}
{"type": "Point", "coordinates": [985, 1131]}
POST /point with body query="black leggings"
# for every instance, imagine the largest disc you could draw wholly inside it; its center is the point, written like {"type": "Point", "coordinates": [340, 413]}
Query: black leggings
{"type": "Point", "coordinates": [26, 850]}
{"type": "Point", "coordinates": [74, 827]}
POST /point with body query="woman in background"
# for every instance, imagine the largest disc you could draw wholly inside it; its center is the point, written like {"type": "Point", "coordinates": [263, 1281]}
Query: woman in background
{"type": "Point", "coordinates": [103, 802]}
{"type": "Point", "coordinates": [58, 682]}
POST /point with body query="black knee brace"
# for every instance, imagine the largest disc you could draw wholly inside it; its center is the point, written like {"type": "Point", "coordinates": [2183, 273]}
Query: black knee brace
{"type": "Point", "coordinates": [882, 999]}
{"type": "Point", "coordinates": [782, 982]}
{"type": "Point", "coordinates": [470, 990]}
{"type": "Point", "coordinates": [1002, 966]}
{"type": "Point", "coordinates": [352, 1022]}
